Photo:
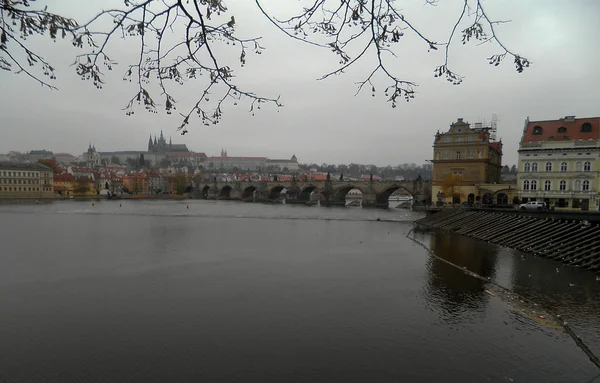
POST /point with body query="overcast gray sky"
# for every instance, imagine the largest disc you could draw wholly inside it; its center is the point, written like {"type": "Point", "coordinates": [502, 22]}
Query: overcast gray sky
{"type": "Point", "coordinates": [323, 121]}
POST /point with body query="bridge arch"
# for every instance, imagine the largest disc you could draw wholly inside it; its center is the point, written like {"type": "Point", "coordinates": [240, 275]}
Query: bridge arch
{"type": "Point", "coordinates": [275, 191]}
{"type": "Point", "coordinates": [384, 196]}
{"type": "Point", "coordinates": [225, 192]}
{"type": "Point", "coordinates": [340, 193]}
{"type": "Point", "coordinates": [204, 191]}
{"type": "Point", "coordinates": [304, 194]}
{"type": "Point", "coordinates": [249, 192]}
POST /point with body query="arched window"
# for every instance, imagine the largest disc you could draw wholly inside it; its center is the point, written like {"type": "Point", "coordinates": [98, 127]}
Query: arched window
{"type": "Point", "coordinates": [548, 166]}
{"type": "Point", "coordinates": [578, 166]}
{"type": "Point", "coordinates": [585, 127]}
{"type": "Point", "coordinates": [562, 130]}
{"type": "Point", "coordinates": [563, 185]}
{"type": "Point", "coordinates": [533, 185]}
{"type": "Point", "coordinates": [537, 130]}
{"type": "Point", "coordinates": [547, 185]}
{"type": "Point", "coordinates": [563, 167]}
{"type": "Point", "coordinates": [526, 185]}
{"type": "Point", "coordinates": [527, 167]}
{"type": "Point", "coordinates": [534, 167]}
{"type": "Point", "coordinates": [587, 166]}
{"type": "Point", "coordinates": [585, 186]}
{"type": "Point", "coordinates": [577, 185]}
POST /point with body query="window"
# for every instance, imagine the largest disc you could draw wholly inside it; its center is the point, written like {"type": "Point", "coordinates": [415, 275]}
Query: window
{"type": "Point", "coordinates": [534, 167]}
{"type": "Point", "coordinates": [526, 185]}
{"type": "Point", "coordinates": [527, 167]}
{"type": "Point", "coordinates": [563, 185]}
{"type": "Point", "coordinates": [548, 166]}
{"type": "Point", "coordinates": [585, 186]}
{"type": "Point", "coordinates": [563, 167]}
{"type": "Point", "coordinates": [562, 129]}
{"type": "Point", "coordinates": [587, 166]}
{"type": "Point", "coordinates": [534, 185]}
{"type": "Point", "coordinates": [458, 155]}
{"type": "Point", "coordinates": [586, 127]}
{"type": "Point", "coordinates": [577, 185]}
{"type": "Point", "coordinates": [578, 166]}
{"type": "Point", "coordinates": [537, 130]}
{"type": "Point", "coordinates": [547, 185]}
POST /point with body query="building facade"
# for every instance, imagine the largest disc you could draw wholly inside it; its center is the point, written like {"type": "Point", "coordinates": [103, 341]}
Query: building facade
{"type": "Point", "coordinates": [17, 180]}
{"type": "Point", "coordinates": [282, 165]}
{"type": "Point", "coordinates": [469, 162]}
{"type": "Point", "coordinates": [559, 163]}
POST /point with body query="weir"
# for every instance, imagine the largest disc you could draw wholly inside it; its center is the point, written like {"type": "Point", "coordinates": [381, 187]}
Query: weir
{"type": "Point", "coordinates": [572, 242]}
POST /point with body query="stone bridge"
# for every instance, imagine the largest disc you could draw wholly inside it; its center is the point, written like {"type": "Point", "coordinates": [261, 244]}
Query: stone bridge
{"type": "Point", "coordinates": [330, 192]}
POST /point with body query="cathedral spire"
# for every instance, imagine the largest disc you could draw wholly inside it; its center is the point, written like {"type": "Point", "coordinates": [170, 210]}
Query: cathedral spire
{"type": "Point", "coordinates": [162, 138]}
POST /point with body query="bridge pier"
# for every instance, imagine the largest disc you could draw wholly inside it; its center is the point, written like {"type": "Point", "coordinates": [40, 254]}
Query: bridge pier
{"type": "Point", "coordinates": [213, 192]}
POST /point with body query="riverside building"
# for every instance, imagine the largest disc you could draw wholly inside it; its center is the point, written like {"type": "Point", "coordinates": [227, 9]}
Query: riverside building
{"type": "Point", "coordinates": [559, 163]}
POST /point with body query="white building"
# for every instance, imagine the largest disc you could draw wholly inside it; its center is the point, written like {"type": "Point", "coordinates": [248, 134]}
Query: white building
{"type": "Point", "coordinates": [559, 163]}
{"type": "Point", "coordinates": [285, 166]}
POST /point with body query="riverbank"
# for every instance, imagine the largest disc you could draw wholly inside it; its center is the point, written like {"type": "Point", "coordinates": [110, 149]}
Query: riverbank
{"type": "Point", "coordinates": [574, 243]}
{"type": "Point", "coordinates": [519, 304]}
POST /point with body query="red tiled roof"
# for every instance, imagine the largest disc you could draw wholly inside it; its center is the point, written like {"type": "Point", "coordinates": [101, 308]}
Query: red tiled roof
{"type": "Point", "coordinates": [82, 170]}
{"type": "Point", "coordinates": [237, 158]}
{"type": "Point", "coordinates": [573, 130]}
{"type": "Point", "coordinates": [64, 177]}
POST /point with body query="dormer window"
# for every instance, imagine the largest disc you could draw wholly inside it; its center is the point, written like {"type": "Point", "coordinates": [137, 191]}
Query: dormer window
{"type": "Point", "coordinates": [537, 130]}
{"type": "Point", "coordinates": [562, 129]}
{"type": "Point", "coordinates": [586, 128]}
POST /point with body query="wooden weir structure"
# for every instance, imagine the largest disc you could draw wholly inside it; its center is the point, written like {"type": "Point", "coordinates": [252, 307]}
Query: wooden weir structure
{"type": "Point", "coordinates": [572, 242]}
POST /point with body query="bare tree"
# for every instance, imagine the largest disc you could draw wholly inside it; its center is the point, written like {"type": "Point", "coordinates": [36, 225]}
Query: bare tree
{"type": "Point", "coordinates": [351, 29]}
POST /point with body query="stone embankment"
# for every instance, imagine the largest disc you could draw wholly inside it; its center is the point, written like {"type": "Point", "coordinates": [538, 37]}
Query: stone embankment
{"type": "Point", "coordinates": [574, 243]}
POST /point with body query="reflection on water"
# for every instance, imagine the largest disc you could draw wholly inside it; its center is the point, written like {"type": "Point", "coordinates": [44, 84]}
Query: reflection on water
{"type": "Point", "coordinates": [222, 292]}
{"type": "Point", "coordinates": [573, 293]}
{"type": "Point", "coordinates": [456, 291]}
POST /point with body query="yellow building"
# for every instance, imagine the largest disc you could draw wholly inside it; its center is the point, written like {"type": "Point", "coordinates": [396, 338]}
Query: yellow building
{"type": "Point", "coordinates": [559, 163]}
{"type": "Point", "coordinates": [34, 181]}
{"type": "Point", "coordinates": [468, 162]}
{"type": "Point", "coordinates": [64, 185]}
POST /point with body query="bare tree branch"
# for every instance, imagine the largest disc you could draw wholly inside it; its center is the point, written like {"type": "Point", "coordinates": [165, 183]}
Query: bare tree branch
{"type": "Point", "coordinates": [352, 29]}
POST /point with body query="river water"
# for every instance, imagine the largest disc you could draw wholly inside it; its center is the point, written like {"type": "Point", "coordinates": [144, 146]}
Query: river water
{"type": "Point", "coordinates": [233, 292]}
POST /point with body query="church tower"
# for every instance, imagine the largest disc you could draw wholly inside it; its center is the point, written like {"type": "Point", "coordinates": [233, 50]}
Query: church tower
{"type": "Point", "coordinates": [150, 144]}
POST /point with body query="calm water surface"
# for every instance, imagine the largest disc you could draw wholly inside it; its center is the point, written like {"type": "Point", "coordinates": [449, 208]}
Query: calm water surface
{"type": "Point", "coordinates": [231, 292]}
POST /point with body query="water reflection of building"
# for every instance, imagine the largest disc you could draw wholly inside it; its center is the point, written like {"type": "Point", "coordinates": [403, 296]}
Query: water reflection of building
{"type": "Point", "coordinates": [450, 286]}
